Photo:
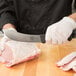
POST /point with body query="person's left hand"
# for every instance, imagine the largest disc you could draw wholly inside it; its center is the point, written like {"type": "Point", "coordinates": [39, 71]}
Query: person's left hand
{"type": "Point", "coordinates": [68, 62]}
{"type": "Point", "coordinates": [60, 32]}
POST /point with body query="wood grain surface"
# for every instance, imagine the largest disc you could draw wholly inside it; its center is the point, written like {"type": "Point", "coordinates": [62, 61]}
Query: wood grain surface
{"type": "Point", "coordinates": [45, 64]}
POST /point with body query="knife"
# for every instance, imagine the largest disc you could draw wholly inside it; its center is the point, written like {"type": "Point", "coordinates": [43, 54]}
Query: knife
{"type": "Point", "coordinates": [17, 36]}
{"type": "Point", "coordinates": [14, 35]}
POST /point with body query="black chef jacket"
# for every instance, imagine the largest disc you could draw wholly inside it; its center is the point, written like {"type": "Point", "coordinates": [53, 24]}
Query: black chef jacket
{"type": "Point", "coordinates": [33, 16]}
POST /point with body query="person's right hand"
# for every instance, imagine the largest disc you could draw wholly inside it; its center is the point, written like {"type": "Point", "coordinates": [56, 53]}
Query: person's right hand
{"type": "Point", "coordinates": [60, 31]}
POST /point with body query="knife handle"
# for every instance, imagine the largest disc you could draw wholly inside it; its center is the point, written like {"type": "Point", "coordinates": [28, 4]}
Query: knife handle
{"type": "Point", "coordinates": [73, 35]}
{"type": "Point", "coordinates": [42, 38]}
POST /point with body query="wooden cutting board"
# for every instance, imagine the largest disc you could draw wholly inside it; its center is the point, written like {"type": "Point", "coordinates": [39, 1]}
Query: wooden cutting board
{"type": "Point", "coordinates": [45, 65]}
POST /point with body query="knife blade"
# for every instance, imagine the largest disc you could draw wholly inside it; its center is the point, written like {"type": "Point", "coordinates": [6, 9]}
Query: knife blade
{"type": "Point", "coordinates": [14, 35]}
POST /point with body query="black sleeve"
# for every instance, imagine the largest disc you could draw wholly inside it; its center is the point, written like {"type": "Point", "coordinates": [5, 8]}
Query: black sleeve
{"type": "Point", "coordinates": [7, 13]}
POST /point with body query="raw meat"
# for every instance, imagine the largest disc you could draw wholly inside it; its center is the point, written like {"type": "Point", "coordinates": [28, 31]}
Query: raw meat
{"type": "Point", "coordinates": [15, 52]}
{"type": "Point", "coordinates": [68, 62]}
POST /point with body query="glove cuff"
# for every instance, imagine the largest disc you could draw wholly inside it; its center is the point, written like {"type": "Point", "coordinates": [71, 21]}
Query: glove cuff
{"type": "Point", "coordinates": [70, 21]}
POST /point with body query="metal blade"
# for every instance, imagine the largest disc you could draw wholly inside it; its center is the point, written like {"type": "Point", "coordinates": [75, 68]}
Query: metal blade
{"type": "Point", "coordinates": [14, 35]}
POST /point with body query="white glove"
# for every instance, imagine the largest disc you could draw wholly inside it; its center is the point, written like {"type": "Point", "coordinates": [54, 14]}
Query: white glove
{"type": "Point", "coordinates": [60, 31]}
{"type": "Point", "coordinates": [68, 62]}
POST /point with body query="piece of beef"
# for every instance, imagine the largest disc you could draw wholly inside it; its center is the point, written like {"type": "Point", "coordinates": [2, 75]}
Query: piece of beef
{"type": "Point", "coordinates": [16, 52]}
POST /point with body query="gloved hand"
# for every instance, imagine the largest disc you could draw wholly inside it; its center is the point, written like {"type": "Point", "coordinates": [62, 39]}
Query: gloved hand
{"type": "Point", "coordinates": [68, 62]}
{"type": "Point", "coordinates": [60, 32]}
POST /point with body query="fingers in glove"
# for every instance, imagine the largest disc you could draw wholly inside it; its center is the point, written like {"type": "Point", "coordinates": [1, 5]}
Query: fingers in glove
{"type": "Point", "coordinates": [68, 66]}
{"type": "Point", "coordinates": [67, 59]}
{"type": "Point", "coordinates": [62, 36]}
{"type": "Point", "coordinates": [60, 39]}
{"type": "Point", "coordinates": [47, 36]}
{"type": "Point", "coordinates": [53, 38]}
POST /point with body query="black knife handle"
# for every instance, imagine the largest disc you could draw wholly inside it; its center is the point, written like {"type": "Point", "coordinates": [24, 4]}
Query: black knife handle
{"type": "Point", "coordinates": [42, 38]}
{"type": "Point", "coordinates": [73, 35]}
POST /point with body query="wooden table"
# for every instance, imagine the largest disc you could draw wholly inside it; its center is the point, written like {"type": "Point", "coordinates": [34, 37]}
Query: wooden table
{"type": "Point", "coordinates": [45, 65]}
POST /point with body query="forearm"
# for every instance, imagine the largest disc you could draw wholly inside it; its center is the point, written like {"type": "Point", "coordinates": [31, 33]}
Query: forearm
{"type": "Point", "coordinates": [7, 14]}
{"type": "Point", "coordinates": [73, 16]}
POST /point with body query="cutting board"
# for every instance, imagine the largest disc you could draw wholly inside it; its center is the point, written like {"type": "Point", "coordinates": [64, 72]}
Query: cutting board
{"type": "Point", "coordinates": [45, 64]}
